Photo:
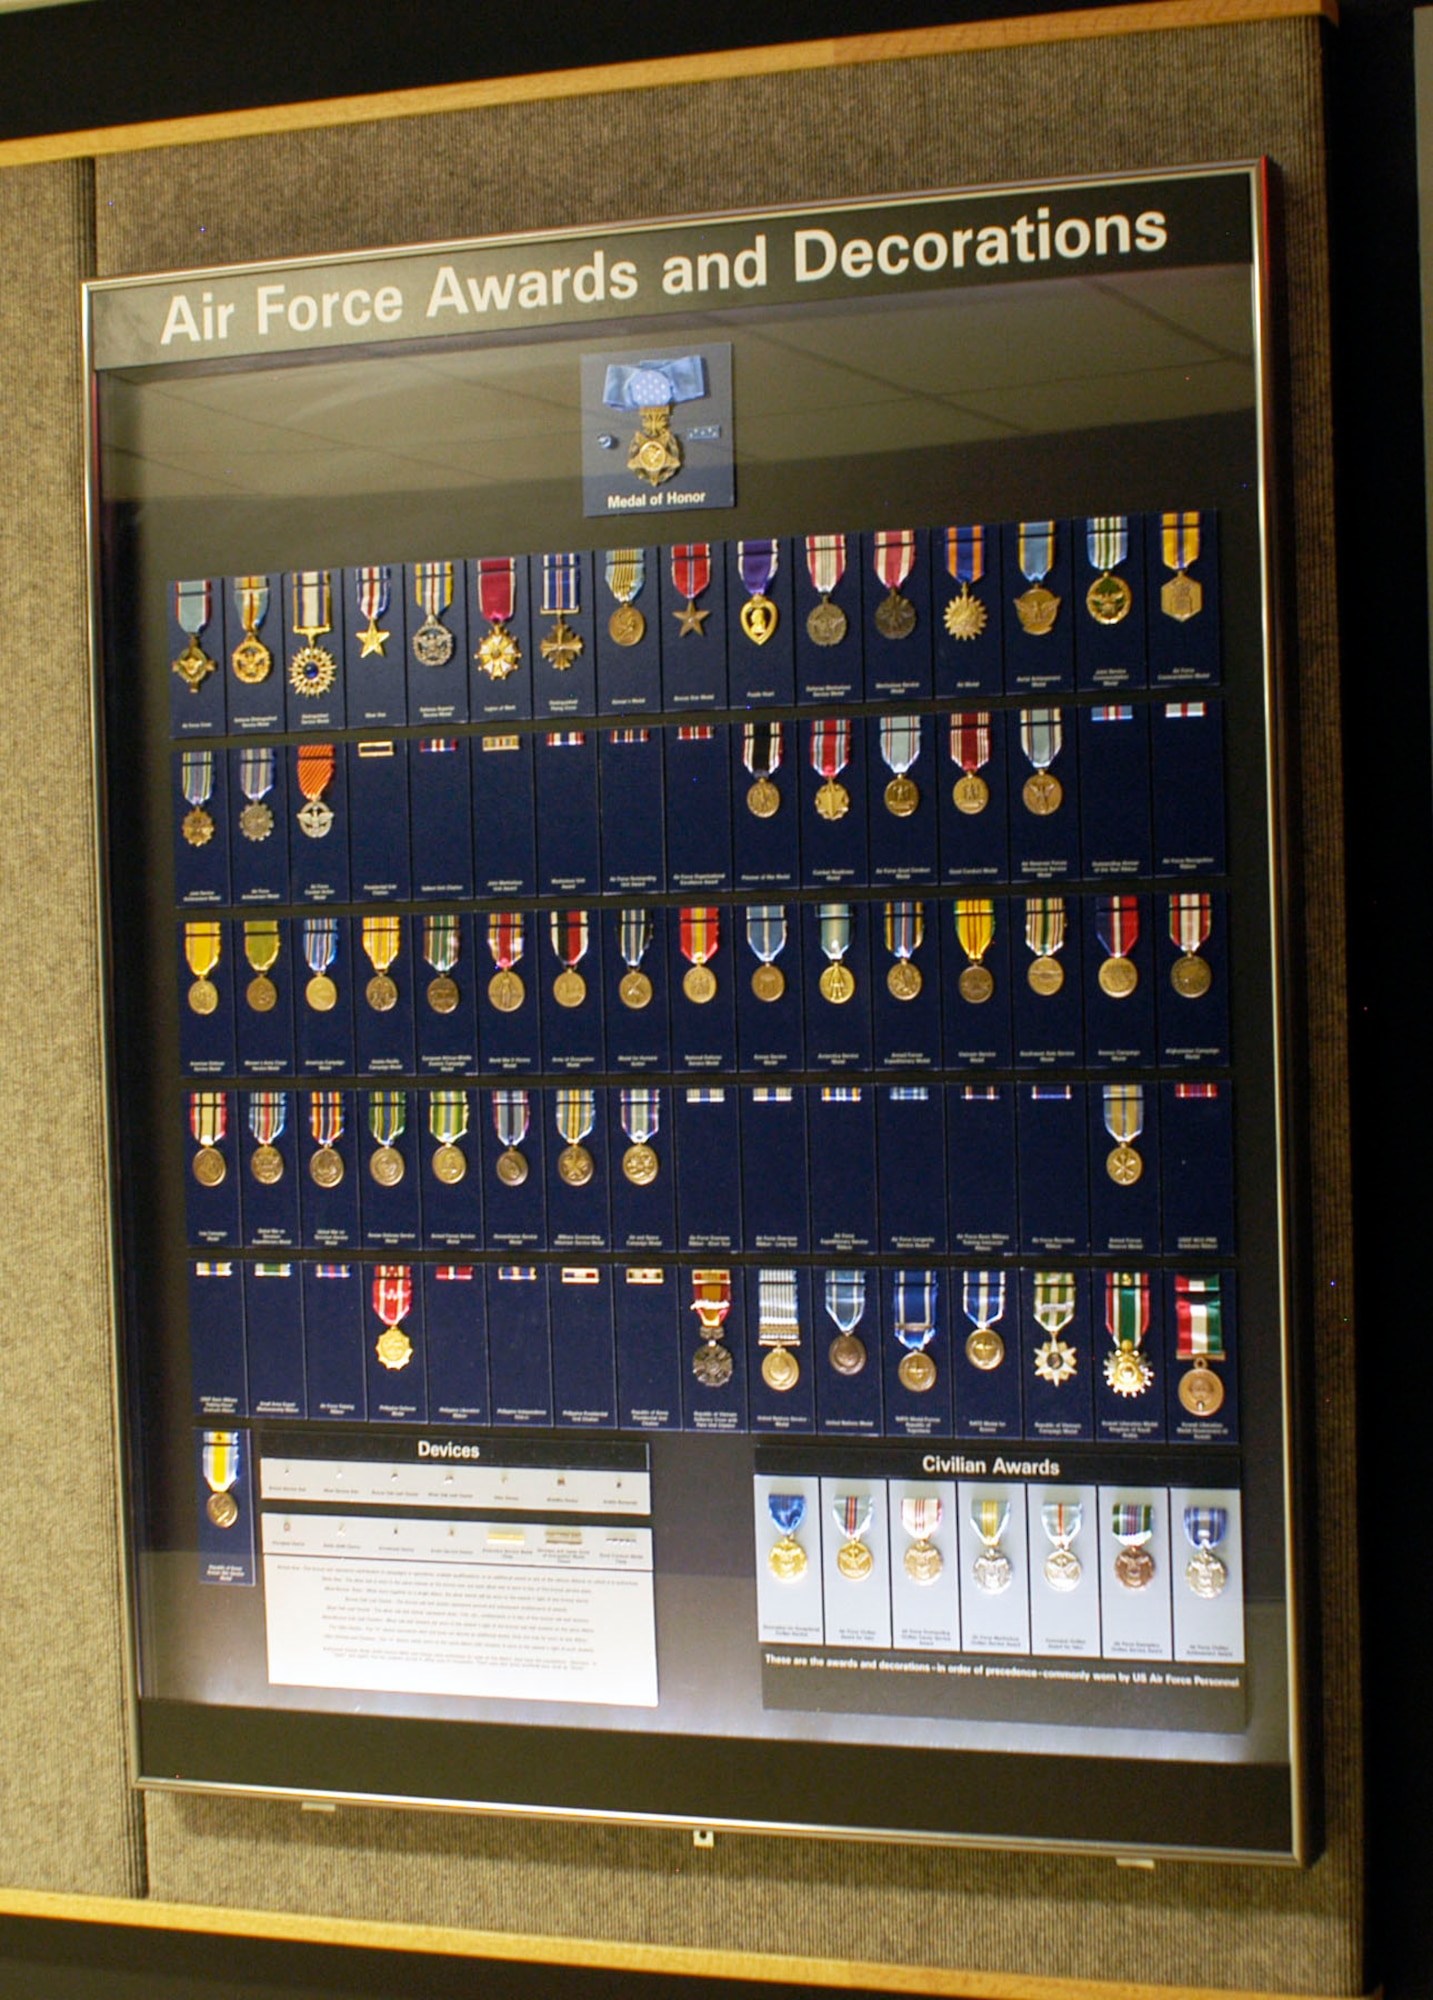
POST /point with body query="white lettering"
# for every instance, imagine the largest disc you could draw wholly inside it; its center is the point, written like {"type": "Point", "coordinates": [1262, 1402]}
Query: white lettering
{"type": "Point", "coordinates": [388, 304]}
{"type": "Point", "coordinates": [893, 255]}
{"type": "Point", "coordinates": [532, 289]}
{"type": "Point", "coordinates": [857, 256]}
{"type": "Point", "coordinates": [623, 283]}
{"type": "Point", "coordinates": [958, 240]}
{"type": "Point", "coordinates": [992, 246]}
{"type": "Point", "coordinates": [270, 304]}
{"type": "Point", "coordinates": [814, 243]}
{"type": "Point", "coordinates": [713, 261]}
{"type": "Point", "coordinates": [180, 320]}
{"type": "Point", "coordinates": [749, 268]}
{"type": "Point", "coordinates": [303, 313]}
{"type": "Point", "coordinates": [930, 252]}
{"type": "Point", "coordinates": [357, 308]}
{"type": "Point", "coordinates": [1149, 230]}
{"type": "Point", "coordinates": [492, 292]}
{"type": "Point", "coordinates": [446, 292]}
{"type": "Point", "coordinates": [677, 276]}
{"type": "Point", "coordinates": [1105, 225]}
{"type": "Point", "coordinates": [1072, 237]}
{"type": "Point", "coordinates": [589, 284]}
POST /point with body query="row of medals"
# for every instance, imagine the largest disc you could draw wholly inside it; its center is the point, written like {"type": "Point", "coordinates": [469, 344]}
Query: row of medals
{"type": "Point", "coordinates": [1134, 1568]}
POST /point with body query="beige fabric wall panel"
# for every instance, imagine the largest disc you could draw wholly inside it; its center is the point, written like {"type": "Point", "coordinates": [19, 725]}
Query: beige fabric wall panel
{"type": "Point", "coordinates": [67, 1817]}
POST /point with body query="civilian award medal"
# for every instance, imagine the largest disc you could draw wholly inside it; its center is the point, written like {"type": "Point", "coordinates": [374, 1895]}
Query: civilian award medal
{"type": "Point", "coordinates": [442, 946]}
{"type": "Point", "coordinates": [1117, 925]}
{"type": "Point", "coordinates": [268, 1113]}
{"type": "Point", "coordinates": [1199, 1314]}
{"type": "Point", "coordinates": [825, 565]}
{"type": "Point", "coordinates": [561, 592]}
{"type": "Point", "coordinates": [778, 1330]}
{"type": "Point", "coordinates": [1204, 1529]}
{"type": "Point", "coordinates": [1109, 597]}
{"type": "Point", "coordinates": [921, 1517]}
{"type": "Point", "coordinates": [1042, 737]}
{"type": "Point", "coordinates": [193, 607]}
{"type": "Point", "coordinates": [1133, 1527]}
{"type": "Point", "coordinates": [1190, 916]}
{"type": "Point", "coordinates": [701, 937]}
{"type": "Point", "coordinates": [852, 1514]}
{"type": "Point", "coordinates": [387, 1117]}
{"type": "Point", "coordinates": [392, 1303]}
{"type": "Point", "coordinates": [448, 1124]}
{"type": "Point", "coordinates": [510, 1121]}
{"type": "Point", "coordinates": [499, 653]}
{"type": "Point", "coordinates": [905, 933]}
{"type": "Point", "coordinates": [576, 1115]}
{"type": "Point", "coordinates": [626, 573]}
{"type": "Point", "coordinates": [568, 932]}
{"type": "Point", "coordinates": [984, 1303]}
{"type": "Point", "coordinates": [1181, 597]}
{"type": "Point", "coordinates": [505, 936]}
{"type": "Point", "coordinates": [830, 754]}
{"type": "Point", "coordinates": [371, 586]}
{"type": "Point", "coordinates": [325, 1115]}
{"type": "Point", "coordinates": [196, 775]}
{"type": "Point", "coordinates": [975, 928]}
{"type": "Point", "coordinates": [845, 1296]}
{"type": "Point", "coordinates": [915, 1299]}
{"type": "Point", "coordinates": [251, 659]}
{"type": "Point", "coordinates": [203, 944]}
{"type": "Point", "coordinates": [221, 1472]}
{"type": "Point", "coordinates": [895, 553]}
{"type": "Point", "coordinates": [691, 573]}
{"type": "Point", "coordinates": [970, 749]}
{"type": "Point", "coordinates": [787, 1559]}
{"type": "Point", "coordinates": [208, 1122]}
{"type": "Point", "coordinates": [653, 389]}
{"type": "Point", "coordinates": [1037, 608]}
{"type": "Point", "coordinates": [433, 643]}
{"type": "Point", "coordinates": [1055, 1360]}
{"type": "Point", "coordinates": [1045, 935]}
{"type": "Point", "coordinates": [837, 981]}
{"type": "Point", "coordinates": [965, 616]}
{"type": "Point", "coordinates": [711, 1302]}
{"type": "Point", "coordinates": [766, 934]}
{"type": "Point", "coordinates": [313, 669]}
{"type": "Point", "coordinates": [320, 951]}
{"type": "Point", "coordinates": [1127, 1370]}
{"type": "Point", "coordinates": [641, 1112]}
{"type": "Point", "coordinates": [1124, 1121]}
{"type": "Point", "coordinates": [1062, 1520]}
{"type": "Point", "coordinates": [315, 769]}
{"type": "Point", "coordinates": [991, 1568]}
{"type": "Point", "coordinates": [900, 747]}
{"type": "Point", "coordinates": [261, 948]}
{"type": "Point", "coordinates": [756, 563]}
{"type": "Point", "coordinates": [634, 936]}
{"type": "Point", "coordinates": [382, 940]}
{"type": "Point", "coordinates": [256, 781]}
{"type": "Point", "coordinates": [761, 745]}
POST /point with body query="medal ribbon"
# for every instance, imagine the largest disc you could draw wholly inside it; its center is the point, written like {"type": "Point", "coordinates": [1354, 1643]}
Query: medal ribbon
{"type": "Point", "coordinates": [196, 775]}
{"type": "Point", "coordinates": [313, 603]}
{"type": "Point", "coordinates": [510, 1116]}
{"type": "Point", "coordinates": [692, 569]}
{"type": "Point", "coordinates": [852, 1514]}
{"type": "Point", "coordinates": [975, 925]}
{"type": "Point", "coordinates": [1113, 711]}
{"type": "Point", "coordinates": [970, 740]}
{"type": "Point", "coordinates": [437, 746]}
{"type": "Point", "coordinates": [221, 1459]}
{"type": "Point", "coordinates": [965, 554]}
{"type": "Point", "coordinates": [830, 746]}
{"type": "Point", "coordinates": [777, 1322]}
{"type": "Point", "coordinates": [1184, 711]}
{"type": "Point", "coordinates": [1190, 916]}
{"type": "Point", "coordinates": [840, 1093]}
{"type": "Point", "coordinates": [1124, 1111]}
{"type": "Point", "coordinates": [1206, 1527]}
{"type": "Point", "coordinates": [641, 1114]}
{"type": "Point", "coordinates": [496, 588]}
{"type": "Point", "coordinates": [1107, 540]}
{"type": "Point", "coordinates": [835, 921]}
{"type": "Point", "coordinates": [983, 1297]}
{"type": "Point", "coordinates": [448, 1116]}
{"type": "Point", "coordinates": [921, 1515]}
{"type": "Point", "coordinates": [825, 561]}
{"type": "Point", "coordinates": [331, 1270]}
{"type": "Point", "coordinates": [371, 588]}
{"type": "Point", "coordinates": [315, 767]}
{"type": "Point", "coordinates": [208, 1116]}
{"type": "Point", "coordinates": [1179, 540]}
{"type": "Point", "coordinates": [1061, 1520]}
{"type": "Point", "coordinates": [766, 930]}
{"type": "Point", "coordinates": [990, 1518]}
{"type": "Point", "coordinates": [320, 943]}
{"type": "Point", "coordinates": [900, 741]}
{"type": "Point", "coordinates": [696, 732]}
{"type": "Point", "coordinates": [568, 930]}
{"type": "Point", "coordinates": [461, 1274]}
{"type": "Point", "coordinates": [442, 941]}
{"type": "Point", "coordinates": [1054, 1300]}
{"type": "Point", "coordinates": [845, 1294]}
{"type": "Point", "coordinates": [251, 600]}
{"type": "Point", "coordinates": [268, 1114]}
{"type": "Point", "coordinates": [193, 605]}
{"type": "Point", "coordinates": [915, 1298]}
{"type": "Point", "coordinates": [1045, 924]}
{"type": "Point", "coordinates": [757, 562]}
{"type": "Point", "coordinates": [1042, 734]}
{"type": "Point", "coordinates": [213, 1270]}
{"type": "Point", "coordinates": [1133, 1525]}
{"type": "Point", "coordinates": [711, 1300]}
{"type": "Point", "coordinates": [1050, 1093]}
{"type": "Point", "coordinates": [1127, 1307]}
{"type": "Point", "coordinates": [761, 748]}
{"type": "Point", "coordinates": [576, 1114]}
{"type": "Point", "coordinates": [1037, 549]}
{"type": "Point", "coordinates": [325, 1115]}
{"type": "Point", "coordinates": [382, 940]}
{"type": "Point", "coordinates": [566, 739]}
{"type": "Point", "coordinates": [701, 934]}
{"type": "Point", "coordinates": [905, 928]}
{"type": "Point", "coordinates": [1199, 1313]}
{"type": "Point", "coordinates": [393, 1292]}
{"type": "Point", "coordinates": [256, 773]}
{"type": "Point", "coordinates": [433, 587]}
{"type": "Point", "coordinates": [505, 938]}
{"type": "Point", "coordinates": [261, 942]}
{"type": "Point", "coordinates": [1117, 924]}
{"type": "Point", "coordinates": [203, 944]}
{"type": "Point", "coordinates": [895, 553]}
{"type": "Point", "coordinates": [626, 573]}
{"type": "Point", "coordinates": [634, 935]}
{"type": "Point", "coordinates": [561, 584]}
{"type": "Point", "coordinates": [787, 1510]}
{"type": "Point", "coordinates": [1187, 1090]}
{"type": "Point", "coordinates": [616, 736]}
{"type": "Point", "coordinates": [387, 1115]}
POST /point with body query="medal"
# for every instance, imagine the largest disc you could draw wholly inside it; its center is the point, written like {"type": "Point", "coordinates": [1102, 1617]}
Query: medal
{"type": "Point", "coordinates": [382, 941]}
{"type": "Point", "coordinates": [1181, 597]}
{"type": "Point", "coordinates": [845, 1297]}
{"type": "Point", "coordinates": [268, 1113]}
{"type": "Point", "coordinates": [965, 616]}
{"type": "Point", "coordinates": [315, 770]}
{"type": "Point", "coordinates": [991, 1568]}
{"type": "Point", "coordinates": [256, 781]}
{"type": "Point", "coordinates": [1127, 1370]}
{"type": "Point", "coordinates": [221, 1471]}
{"type": "Point", "coordinates": [634, 935]}
{"type": "Point", "coordinates": [320, 950]}
{"type": "Point", "coordinates": [1191, 912]}
{"type": "Point", "coordinates": [442, 946]}
{"type": "Point", "coordinates": [852, 1514]}
{"type": "Point", "coordinates": [900, 747]}
{"type": "Point", "coordinates": [448, 1124]}
{"type": "Point", "coordinates": [700, 936]}
{"type": "Point", "coordinates": [895, 553]}
{"type": "Point", "coordinates": [1045, 935]}
{"type": "Point", "coordinates": [251, 659]}
{"type": "Point", "coordinates": [983, 1299]}
{"type": "Point", "coordinates": [652, 389]}
{"type": "Point", "coordinates": [766, 934]}
{"type": "Point", "coordinates": [392, 1303]}
{"type": "Point", "coordinates": [510, 1122]}
{"type": "Point", "coordinates": [1133, 1526]}
{"type": "Point", "coordinates": [1199, 1313]}
{"type": "Point", "coordinates": [1042, 737]}
{"type": "Point", "coordinates": [830, 754]}
{"type": "Point", "coordinates": [325, 1117]}
{"type": "Point", "coordinates": [825, 565]}
{"type": "Point", "coordinates": [756, 562]}
{"type": "Point", "coordinates": [505, 989]}
{"type": "Point", "coordinates": [837, 982]}
{"type": "Point", "coordinates": [261, 948]}
{"type": "Point", "coordinates": [193, 607]}
{"type": "Point", "coordinates": [203, 944]}
{"type": "Point", "coordinates": [711, 1302]}
{"type": "Point", "coordinates": [905, 933]}
{"type": "Point", "coordinates": [691, 573]}
{"type": "Point", "coordinates": [1204, 1529]}
{"type": "Point", "coordinates": [626, 573]}
{"type": "Point", "coordinates": [561, 589]}
{"type": "Point", "coordinates": [576, 1115]}
{"type": "Point", "coordinates": [641, 1114]}
{"type": "Point", "coordinates": [371, 589]}
{"type": "Point", "coordinates": [1037, 608]}
{"type": "Point", "coordinates": [778, 1330]}
{"type": "Point", "coordinates": [975, 929]}
{"type": "Point", "coordinates": [499, 653]}
{"type": "Point", "coordinates": [1061, 1520]}
{"type": "Point", "coordinates": [1109, 597]}
{"type": "Point", "coordinates": [1055, 1360]}
{"type": "Point", "coordinates": [196, 776]}
{"type": "Point", "coordinates": [920, 1517]}
{"type": "Point", "coordinates": [916, 1293]}
{"type": "Point", "coordinates": [787, 1559]}
{"type": "Point", "coordinates": [433, 643]}
{"type": "Point", "coordinates": [387, 1118]}
{"type": "Point", "coordinates": [208, 1122]}
{"type": "Point", "coordinates": [568, 933]}
{"type": "Point", "coordinates": [1124, 1121]}
{"type": "Point", "coordinates": [761, 753]}
{"type": "Point", "coordinates": [313, 669]}
{"type": "Point", "coordinates": [1117, 925]}
{"type": "Point", "coordinates": [970, 748]}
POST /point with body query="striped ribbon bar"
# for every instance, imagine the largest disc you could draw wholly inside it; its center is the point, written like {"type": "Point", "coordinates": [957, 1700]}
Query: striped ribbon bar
{"type": "Point", "coordinates": [965, 554]}
{"type": "Point", "coordinates": [268, 1114]}
{"type": "Point", "coordinates": [433, 587]}
{"type": "Point", "coordinates": [505, 938]}
{"type": "Point", "coordinates": [387, 1115]}
{"type": "Point", "coordinates": [1036, 549]}
{"type": "Point", "coordinates": [1199, 1314]}
{"type": "Point", "coordinates": [561, 583]}
{"type": "Point", "coordinates": [845, 1298]}
{"type": "Point", "coordinates": [320, 943]}
{"type": "Point", "coordinates": [511, 1113]}
{"type": "Point", "coordinates": [208, 1116]}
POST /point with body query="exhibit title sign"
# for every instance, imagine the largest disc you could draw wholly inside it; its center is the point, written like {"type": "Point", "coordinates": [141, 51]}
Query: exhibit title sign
{"type": "Point", "coordinates": [784, 258]}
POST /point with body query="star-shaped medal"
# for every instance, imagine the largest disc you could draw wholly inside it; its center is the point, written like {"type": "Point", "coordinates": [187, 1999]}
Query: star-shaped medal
{"type": "Point", "coordinates": [691, 620]}
{"type": "Point", "coordinates": [373, 640]}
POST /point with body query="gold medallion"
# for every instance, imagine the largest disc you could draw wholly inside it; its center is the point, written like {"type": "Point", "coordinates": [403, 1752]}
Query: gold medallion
{"type": "Point", "coordinates": [903, 981]}
{"type": "Point", "coordinates": [1134, 1568]}
{"type": "Point", "coordinates": [393, 1347]}
{"type": "Point", "coordinates": [780, 1370]}
{"type": "Point", "coordinates": [193, 665]}
{"type": "Point", "coordinates": [506, 991]}
{"type": "Point", "coordinates": [635, 989]}
{"type": "Point", "coordinates": [971, 794]}
{"type": "Point", "coordinates": [203, 996]}
{"type": "Point", "coordinates": [855, 1561]}
{"type": "Point", "coordinates": [222, 1509]}
{"type": "Point", "coordinates": [386, 1166]}
{"type": "Point", "coordinates": [313, 670]}
{"type": "Point", "coordinates": [984, 1349]}
{"type": "Point", "coordinates": [252, 660]}
{"type": "Point", "coordinates": [372, 640]}
{"type": "Point", "coordinates": [712, 1365]}
{"type": "Point", "coordinates": [256, 822]}
{"type": "Point", "coordinates": [266, 1164]}
{"type": "Point", "coordinates": [699, 984]}
{"type": "Point", "coordinates": [1201, 1392]}
{"type": "Point", "coordinates": [198, 827]}
{"type": "Point", "coordinates": [923, 1562]}
{"type": "Point", "coordinates": [895, 616]}
{"type": "Point", "coordinates": [562, 645]}
{"type": "Point", "coordinates": [499, 655]}
{"type": "Point", "coordinates": [826, 623]}
{"type": "Point", "coordinates": [1118, 977]}
{"type": "Point", "coordinates": [656, 452]}
{"type": "Point", "coordinates": [768, 982]}
{"type": "Point", "coordinates": [262, 994]}
{"type": "Point", "coordinates": [837, 984]}
{"type": "Point", "coordinates": [321, 993]}
{"type": "Point", "coordinates": [512, 1167]}
{"type": "Point", "coordinates": [1124, 1165]}
{"type": "Point", "coordinates": [209, 1166]}
{"type": "Point", "coordinates": [1036, 609]}
{"type": "Point", "coordinates": [574, 1166]}
{"type": "Point", "coordinates": [1046, 975]}
{"type": "Point", "coordinates": [976, 984]}
{"type": "Point", "coordinates": [442, 994]}
{"type": "Point", "coordinates": [758, 619]}
{"type": "Point", "coordinates": [1108, 599]}
{"type": "Point", "coordinates": [1181, 597]}
{"type": "Point", "coordinates": [847, 1354]}
{"type": "Point", "coordinates": [569, 989]}
{"type": "Point", "coordinates": [787, 1560]}
{"type": "Point", "coordinates": [449, 1165]}
{"type": "Point", "coordinates": [902, 796]}
{"type": "Point", "coordinates": [763, 799]}
{"type": "Point", "coordinates": [641, 1165]}
{"type": "Point", "coordinates": [1190, 977]}
{"type": "Point", "coordinates": [627, 626]}
{"type": "Point", "coordinates": [1055, 1360]}
{"type": "Point", "coordinates": [1205, 1574]}
{"type": "Point", "coordinates": [1127, 1371]}
{"type": "Point", "coordinates": [381, 993]}
{"type": "Point", "coordinates": [1042, 793]}
{"type": "Point", "coordinates": [917, 1371]}
{"type": "Point", "coordinates": [833, 801]}
{"type": "Point", "coordinates": [326, 1167]}
{"type": "Point", "coordinates": [965, 616]}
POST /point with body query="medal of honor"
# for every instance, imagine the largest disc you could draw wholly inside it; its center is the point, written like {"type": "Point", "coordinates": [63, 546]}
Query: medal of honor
{"type": "Point", "coordinates": [641, 1114]}
{"type": "Point", "coordinates": [845, 1296]}
{"type": "Point", "coordinates": [975, 929]}
{"type": "Point", "coordinates": [825, 565]}
{"type": "Point", "coordinates": [203, 944]}
{"type": "Point", "coordinates": [387, 1119]}
{"type": "Point", "coordinates": [499, 654]}
{"type": "Point", "coordinates": [196, 776]}
{"type": "Point", "coordinates": [1037, 608]}
{"type": "Point", "coordinates": [830, 754]}
{"type": "Point", "coordinates": [991, 1568]}
{"type": "Point", "coordinates": [900, 747]}
{"type": "Point", "coordinates": [1055, 1360]}
{"type": "Point", "coordinates": [691, 573]}
{"type": "Point", "coordinates": [510, 1122]}
{"type": "Point", "coordinates": [761, 744]}
{"type": "Point", "coordinates": [221, 1472]}
{"type": "Point", "coordinates": [1124, 1121]}
{"type": "Point", "coordinates": [208, 1122]}
{"type": "Point", "coordinates": [766, 934]}
{"type": "Point", "coordinates": [626, 573]}
{"type": "Point", "coordinates": [1109, 597]}
{"type": "Point", "coordinates": [852, 1513]}
{"type": "Point", "coordinates": [1062, 1520]}
{"type": "Point", "coordinates": [984, 1304]}
{"type": "Point", "coordinates": [251, 659]}
{"type": "Point", "coordinates": [261, 948]}
{"type": "Point", "coordinates": [193, 606]}
{"type": "Point", "coordinates": [756, 562]}
{"type": "Point", "coordinates": [1042, 736]}
{"type": "Point", "coordinates": [778, 1330]}
{"type": "Point", "coordinates": [505, 940]}
{"type": "Point", "coordinates": [1199, 1313]}
{"type": "Point", "coordinates": [268, 1114]}
{"type": "Point", "coordinates": [921, 1516]}
{"type": "Point", "coordinates": [382, 940]}
{"type": "Point", "coordinates": [1133, 1525]}
{"type": "Point", "coordinates": [312, 670]}
{"type": "Point", "coordinates": [1117, 925]}
{"type": "Point", "coordinates": [711, 1302]}
{"type": "Point", "coordinates": [1204, 1529]}
{"type": "Point", "coordinates": [433, 643]}
{"type": "Point", "coordinates": [448, 1124]}
{"type": "Point", "coordinates": [1191, 914]}
{"type": "Point", "coordinates": [653, 389]}
{"type": "Point", "coordinates": [895, 553]}
{"type": "Point", "coordinates": [315, 769]}
{"type": "Point", "coordinates": [916, 1294]}
{"type": "Point", "coordinates": [965, 616]}
{"type": "Point", "coordinates": [325, 1117]}
{"type": "Point", "coordinates": [837, 982]}
{"type": "Point", "coordinates": [442, 947]}
{"type": "Point", "coordinates": [561, 591]}
{"type": "Point", "coordinates": [905, 933]}
{"type": "Point", "coordinates": [256, 781]}
{"type": "Point", "coordinates": [576, 1115]}
{"type": "Point", "coordinates": [392, 1303]}
{"type": "Point", "coordinates": [787, 1559]}
{"type": "Point", "coordinates": [320, 951]}
{"type": "Point", "coordinates": [700, 935]}
{"type": "Point", "coordinates": [1181, 597]}
{"type": "Point", "coordinates": [1045, 935]}
{"type": "Point", "coordinates": [1127, 1370]}
{"type": "Point", "coordinates": [634, 935]}
{"type": "Point", "coordinates": [970, 749]}
{"type": "Point", "coordinates": [568, 933]}
{"type": "Point", "coordinates": [371, 588]}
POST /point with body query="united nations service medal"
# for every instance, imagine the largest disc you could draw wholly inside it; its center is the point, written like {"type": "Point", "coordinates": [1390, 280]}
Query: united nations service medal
{"type": "Point", "coordinates": [266, 1164]}
{"type": "Point", "coordinates": [826, 623]}
{"type": "Point", "coordinates": [1042, 793]}
{"type": "Point", "coordinates": [712, 1365]}
{"type": "Point", "coordinates": [902, 796]}
{"type": "Point", "coordinates": [1127, 1371]}
{"type": "Point", "coordinates": [903, 981]}
{"type": "Point", "coordinates": [326, 1167]}
{"type": "Point", "coordinates": [511, 1167]}
{"type": "Point", "coordinates": [640, 1165]}
{"type": "Point", "coordinates": [222, 1509]}
{"type": "Point", "coordinates": [699, 984]}
{"type": "Point", "coordinates": [1205, 1574]}
{"type": "Point", "coordinates": [1135, 1568]}
{"type": "Point", "coordinates": [833, 801]}
{"type": "Point", "coordinates": [569, 989]}
{"type": "Point", "coordinates": [965, 616]}
{"type": "Point", "coordinates": [1037, 609]}
{"type": "Point", "coordinates": [1190, 977]}
{"type": "Point", "coordinates": [386, 1166]}
{"type": "Point", "coordinates": [1201, 1392]}
{"type": "Point", "coordinates": [262, 994]}
{"type": "Point", "coordinates": [1055, 1361]}
{"type": "Point", "coordinates": [450, 1163]}
{"type": "Point", "coordinates": [635, 989]}
{"type": "Point", "coordinates": [393, 1348]}
{"type": "Point", "coordinates": [627, 626]}
{"type": "Point", "coordinates": [787, 1560]}
{"type": "Point", "coordinates": [1118, 977]}
{"type": "Point", "coordinates": [758, 618]}
{"type": "Point", "coordinates": [1181, 597]}
{"type": "Point", "coordinates": [837, 984]}
{"type": "Point", "coordinates": [768, 982]}
{"type": "Point", "coordinates": [984, 1349]}
{"type": "Point", "coordinates": [574, 1165]}
{"type": "Point", "coordinates": [443, 994]}
{"type": "Point", "coordinates": [895, 616]}
{"type": "Point", "coordinates": [976, 984]}
{"type": "Point", "coordinates": [763, 799]}
{"type": "Point", "coordinates": [1063, 1569]}
{"type": "Point", "coordinates": [321, 993]}
{"type": "Point", "coordinates": [256, 821]}
{"type": "Point", "coordinates": [1108, 599]}
{"type": "Point", "coordinates": [209, 1166]}
{"type": "Point", "coordinates": [1124, 1165]}
{"type": "Point", "coordinates": [506, 991]}
{"type": "Point", "coordinates": [381, 993]}
{"type": "Point", "coordinates": [198, 827]}
{"type": "Point", "coordinates": [203, 996]}
{"type": "Point", "coordinates": [1045, 976]}
{"type": "Point", "coordinates": [971, 793]}
{"type": "Point", "coordinates": [780, 1370]}
{"type": "Point", "coordinates": [917, 1372]}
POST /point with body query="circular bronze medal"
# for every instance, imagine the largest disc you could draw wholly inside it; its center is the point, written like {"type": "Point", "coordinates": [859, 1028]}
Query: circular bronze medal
{"type": "Point", "coordinates": [976, 984]}
{"type": "Point", "coordinates": [826, 623]}
{"type": "Point", "coordinates": [1190, 977]}
{"type": "Point", "coordinates": [512, 1167]}
{"type": "Point", "coordinates": [256, 822]}
{"type": "Point", "coordinates": [635, 990]}
{"type": "Point", "coordinates": [758, 619]}
{"type": "Point", "coordinates": [1201, 1392]}
{"type": "Point", "coordinates": [712, 1365]}
{"type": "Point", "coordinates": [965, 615]}
{"type": "Point", "coordinates": [569, 989]}
{"type": "Point", "coordinates": [386, 1166]}
{"type": "Point", "coordinates": [780, 1370]}
{"type": "Point", "coordinates": [262, 994]}
{"type": "Point", "coordinates": [699, 984]}
{"type": "Point", "coordinates": [321, 993]}
{"type": "Point", "coordinates": [787, 1560]}
{"type": "Point", "coordinates": [442, 994]}
{"type": "Point", "coordinates": [266, 1164]}
{"type": "Point", "coordinates": [203, 996]}
{"type": "Point", "coordinates": [1135, 1568]}
{"type": "Point", "coordinates": [971, 794]}
{"type": "Point", "coordinates": [449, 1165]}
{"type": "Point", "coordinates": [198, 828]}
{"type": "Point", "coordinates": [763, 799]}
{"type": "Point", "coordinates": [326, 1167]}
{"type": "Point", "coordinates": [1108, 599]}
{"type": "Point", "coordinates": [903, 981]}
{"type": "Point", "coordinates": [381, 993]}
{"type": "Point", "coordinates": [917, 1371]}
{"type": "Point", "coordinates": [640, 1165]}
{"type": "Point", "coordinates": [1063, 1569]}
{"type": "Point", "coordinates": [1046, 975]}
{"type": "Point", "coordinates": [222, 1509]}
{"type": "Point", "coordinates": [984, 1349]}
{"type": "Point", "coordinates": [833, 801]}
{"type": "Point", "coordinates": [252, 661]}
{"type": "Point", "coordinates": [1124, 1165]}
{"type": "Point", "coordinates": [506, 991]}
{"type": "Point", "coordinates": [847, 1354]}
{"type": "Point", "coordinates": [574, 1165]}
{"type": "Point", "coordinates": [627, 626]}
{"type": "Point", "coordinates": [768, 982]}
{"type": "Point", "coordinates": [1118, 977]}
{"type": "Point", "coordinates": [1036, 609]}
{"type": "Point", "coordinates": [837, 984]}
{"type": "Point", "coordinates": [895, 616]}
{"type": "Point", "coordinates": [210, 1167]}
{"type": "Point", "coordinates": [855, 1561]}
{"type": "Point", "coordinates": [902, 796]}
{"type": "Point", "coordinates": [1042, 793]}
{"type": "Point", "coordinates": [393, 1347]}
{"type": "Point", "coordinates": [923, 1562]}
